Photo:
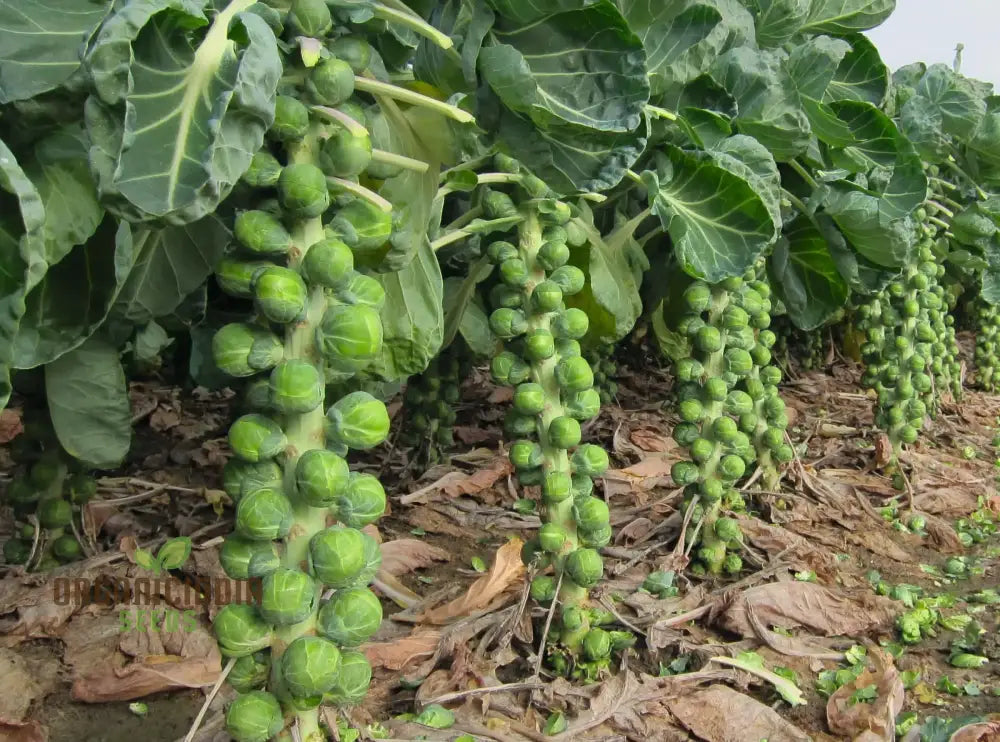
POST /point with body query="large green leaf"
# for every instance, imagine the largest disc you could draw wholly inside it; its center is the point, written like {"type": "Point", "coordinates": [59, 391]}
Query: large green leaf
{"type": "Point", "coordinates": [517, 12]}
{"type": "Point", "coordinates": [462, 314]}
{"type": "Point", "coordinates": [22, 254]}
{"type": "Point", "coordinates": [865, 221]}
{"type": "Point", "coordinates": [571, 159]}
{"type": "Point", "coordinates": [652, 20]}
{"type": "Point", "coordinates": [847, 16]}
{"type": "Point", "coordinates": [811, 66]}
{"type": "Point", "coordinates": [584, 68]}
{"type": "Point", "coordinates": [466, 22]}
{"type": "Point", "coordinates": [42, 42]}
{"type": "Point", "coordinates": [879, 144]}
{"type": "Point", "coordinates": [984, 145]}
{"type": "Point", "coordinates": [862, 275]}
{"type": "Point", "coordinates": [958, 99]}
{"type": "Point", "coordinates": [668, 30]}
{"type": "Point", "coordinates": [89, 404]}
{"type": "Point", "coordinates": [750, 160]}
{"type": "Point", "coordinates": [806, 276]}
{"type": "Point", "coordinates": [861, 76]}
{"type": "Point", "coordinates": [718, 221]}
{"type": "Point", "coordinates": [990, 291]}
{"type": "Point", "coordinates": [170, 263]}
{"type": "Point", "coordinates": [777, 21]}
{"type": "Point", "coordinates": [412, 317]}
{"type": "Point", "coordinates": [613, 267]}
{"type": "Point", "coordinates": [769, 106]}
{"type": "Point", "coordinates": [190, 97]}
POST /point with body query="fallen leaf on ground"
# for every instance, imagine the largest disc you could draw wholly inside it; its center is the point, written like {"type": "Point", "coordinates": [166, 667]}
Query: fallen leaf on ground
{"type": "Point", "coordinates": [10, 425]}
{"type": "Point", "coordinates": [22, 682]}
{"type": "Point", "coordinates": [506, 571]}
{"type": "Point", "coordinates": [981, 731]}
{"type": "Point", "coordinates": [456, 483]}
{"type": "Point", "coordinates": [398, 653]}
{"type": "Point", "coordinates": [112, 665]}
{"type": "Point", "coordinates": [720, 714]}
{"type": "Point", "coordinates": [652, 441]}
{"type": "Point", "coordinates": [651, 472]}
{"type": "Point", "coordinates": [28, 731]}
{"type": "Point", "coordinates": [407, 554]}
{"type": "Point", "coordinates": [862, 721]}
{"type": "Point", "coordinates": [808, 605]}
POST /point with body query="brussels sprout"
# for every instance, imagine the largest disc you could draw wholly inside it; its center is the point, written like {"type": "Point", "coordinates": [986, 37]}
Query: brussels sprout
{"type": "Point", "coordinates": [363, 501]}
{"type": "Point", "coordinates": [732, 564]}
{"type": "Point", "coordinates": [684, 473]}
{"type": "Point", "coordinates": [574, 374]}
{"type": "Point", "coordinates": [243, 350]}
{"type": "Point", "coordinates": [242, 558]}
{"type": "Point", "coordinates": [328, 263]}
{"type": "Point", "coordinates": [321, 476]}
{"type": "Point", "coordinates": [708, 339]}
{"type": "Point", "coordinates": [352, 681]}
{"type": "Point", "coordinates": [660, 583]}
{"type": "Point", "coordinates": [362, 289]}
{"type": "Point", "coordinates": [287, 596]}
{"type": "Point", "coordinates": [337, 556]}
{"type": "Point", "coordinates": [235, 277]}
{"type": "Point", "coordinates": [514, 272]}
{"type": "Point", "coordinates": [572, 323]}
{"type": "Point", "coordinates": [552, 538]}
{"type": "Point", "coordinates": [585, 567]}
{"type": "Point", "coordinates": [529, 399]}
{"type": "Point", "coordinates": [564, 432]}
{"type": "Point", "coordinates": [591, 514]}
{"type": "Point", "coordinates": [264, 170]}
{"type": "Point", "coordinates": [256, 438]}
{"type": "Point", "coordinates": [526, 455]}
{"type": "Point", "coordinates": [553, 254]}
{"type": "Point", "coordinates": [254, 717]}
{"type": "Point", "coordinates": [517, 424]}
{"type": "Point", "coordinates": [568, 348]}
{"type": "Point", "coordinates": [702, 450]}
{"type": "Point", "coordinates": [724, 429]}
{"type": "Point", "coordinates": [331, 82]}
{"type": "Point", "coordinates": [590, 460]}
{"type": "Point", "coordinates": [346, 154]}
{"type": "Point", "coordinates": [296, 387]}
{"type": "Point", "coordinates": [507, 368]}
{"type": "Point", "coordinates": [82, 488]}
{"type": "Point", "coordinates": [260, 233]}
{"type": "Point", "coordinates": [240, 630]}
{"type": "Point", "coordinates": [698, 297]}
{"type": "Point", "coordinates": [597, 644]}
{"type": "Point", "coordinates": [716, 389]}
{"type": "Point", "coordinates": [351, 617]}
{"type": "Point", "coordinates": [500, 251]}
{"type": "Point", "coordinates": [280, 294]}
{"type": "Point", "coordinates": [55, 513]}
{"type": "Point", "coordinates": [712, 490]}
{"type": "Point", "coordinates": [731, 467]}
{"type": "Point", "coordinates": [362, 225]}
{"type": "Point", "coordinates": [309, 666]}
{"type": "Point", "coordinates": [728, 529]}
{"type": "Point", "coordinates": [358, 420]}
{"type": "Point", "coordinates": [309, 18]}
{"type": "Point", "coordinates": [302, 190]}
{"type": "Point", "coordinates": [241, 477]}
{"type": "Point", "coordinates": [66, 548]}
{"type": "Point", "coordinates": [583, 486]}
{"type": "Point", "coordinates": [583, 405]}
{"type": "Point", "coordinates": [264, 515]}
{"type": "Point", "coordinates": [543, 589]}
{"type": "Point", "coordinates": [250, 671]}
{"type": "Point", "coordinates": [569, 279]}
{"type": "Point", "coordinates": [557, 486]}
{"type": "Point", "coordinates": [546, 297]}
{"type": "Point", "coordinates": [350, 336]}
{"type": "Point", "coordinates": [508, 323]}
{"type": "Point", "coordinates": [291, 119]}
{"type": "Point", "coordinates": [498, 205]}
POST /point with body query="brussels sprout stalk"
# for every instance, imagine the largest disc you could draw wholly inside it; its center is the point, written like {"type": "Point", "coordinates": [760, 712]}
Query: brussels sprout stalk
{"type": "Point", "coordinates": [406, 18]}
{"type": "Point", "coordinates": [341, 184]}
{"type": "Point", "coordinates": [378, 155]}
{"type": "Point", "coordinates": [375, 87]}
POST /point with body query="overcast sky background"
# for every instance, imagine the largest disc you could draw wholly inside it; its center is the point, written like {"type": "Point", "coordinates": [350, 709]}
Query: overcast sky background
{"type": "Point", "coordinates": [928, 30]}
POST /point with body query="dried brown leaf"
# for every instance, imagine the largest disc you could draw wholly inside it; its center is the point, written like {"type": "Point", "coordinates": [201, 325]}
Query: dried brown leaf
{"type": "Point", "coordinates": [505, 572]}
{"type": "Point", "coordinates": [22, 683]}
{"type": "Point", "coordinates": [820, 610]}
{"type": "Point", "coordinates": [868, 721]}
{"type": "Point", "coordinates": [27, 731]}
{"type": "Point", "coordinates": [10, 425]}
{"type": "Point", "coordinates": [407, 554]}
{"type": "Point", "coordinates": [981, 731]}
{"type": "Point", "coordinates": [720, 714]}
{"type": "Point", "coordinates": [398, 653]}
{"type": "Point", "coordinates": [456, 483]}
{"type": "Point", "coordinates": [651, 472]}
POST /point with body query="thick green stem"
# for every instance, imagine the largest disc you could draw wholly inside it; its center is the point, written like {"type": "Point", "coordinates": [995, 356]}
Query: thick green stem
{"type": "Point", "coordinates": [415, 23]}
{"type": "Point", "coordinates": [342, 184]}
{"type": "Point", "coordinates": [803, 173]}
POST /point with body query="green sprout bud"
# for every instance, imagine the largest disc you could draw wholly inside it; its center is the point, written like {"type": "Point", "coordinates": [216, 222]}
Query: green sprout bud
{"type": "Point", "coordinates": [321, 476]}
{"type": "Point", "coordinates": [708, 339]}
{"type": "Point", "coordinates": [500, 251]}
{"type": "Point", "coordinates": [529, 399]}
{"type": "Point", "coordinates": [351, 617]}
{"type": "Point", "coordinates": [302, 190]}
{"type": "Point", "coordinates": [291, 119]}
{"type": "Point", "coordinates": [235, 277]}
{"type": "Point", "coordinates": [296, 387]}
{"type": "Point", "coordinates": [583, 405]}
{"type": "Point", "coordinates": [242, 558]}
{"type": "Point", "coordinates": [261, 233]}
{"type": "Point", "coordinates": [66, 548]}
{"type": "Point", "coordinates": [255, 716]}
{"type": "Point", "coordinates": [543, 589]}
{"type": "Point", "coordinates": [280, 294]}
{"type": "Point", "coordinates": [547, 297]}
{"type": "Point", "coordinates": [264, 515]}
{"type": "Point", "coordinates": [526, 455]}
{"type": "Point", "coordinates": [337, 556]}
{"type": "Point", "coordinates": [684, 473]}
{"type": "Point", "coordinates": [256, 438]}
{"type": "Point", "coordinates": [590, 460]}
{"type": "Point", "coordinates": [569, 279]}
{"type": "Point", "coordinates": [362, 503]}
{"type": "Point", "coordinates": [358, 420]}
{"type": "Point", "coordinates": [350, 336]}
{"type": "Point", "coordinates": [264, 170]}
{"type": "Point", "coordinates": [552, 538]}
{"type": "Point", "coordinates": [508, 323]}
{"type": "Point", "coordinates": [352, 681]}
{"type": "Point", "coordinates": [728, 529]}
{"type": "Point", "coordinates": [346, 154]}
{"type": "Point", "coordinates": [564, 432]}
{"type": "Point", "coordinates": [698, 297]}
{"type": "Point", "coordinates": [553, 255]}
{"type": "Point", "coordinates": [331, 82]}
{"type": "Point", "coordinates": [591, 514]}
{"type": "Point", "coordinates": [240, 630]}
{"type": "Point", "coordinates": [574, 374]}
{"type": "Point", "coordinates": [557, 486]}
{"type": "Point", "coordinates": [514, 272]}
{"type": "Point", "coordinates": [572, 323]}
{"type": "Point", "coordinates": [328, 263]}
{"type": "Point", "coordinates": [597, 644]}
{"type": "Point", "coordinates": [309, 666]}
{"type": "Point", "coordinates": [243, 350]}
{"type": "Point", "coordinates": [250, 672]}
{"type": "Point", "coordinates": [732, 564]}
{"type": "Point", "coordinates": [585, 567]}
{"type": "Point", "coordinates": [287, 597]}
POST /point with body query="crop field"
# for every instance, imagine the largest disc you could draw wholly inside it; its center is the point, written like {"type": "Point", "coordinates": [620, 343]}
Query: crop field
{"type": "Point", "coordinates": [492, 370]}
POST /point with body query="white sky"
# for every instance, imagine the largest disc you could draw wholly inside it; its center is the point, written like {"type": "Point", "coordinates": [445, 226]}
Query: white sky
{"type": "Point", "coordinates": [928, 30]}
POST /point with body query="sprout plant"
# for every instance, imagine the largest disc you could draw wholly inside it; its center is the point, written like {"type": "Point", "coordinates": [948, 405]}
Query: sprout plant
{"type": "Point", "coordinates": [601, 359]}
{"type": "Point", "coordinates": [553, 394]}
{"type": "Point", "coordinates": [312, 319]}
{"type": "Point", "coordinates": [46, 497]}
{"type": "Point", "coordinates": [731, 412]}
